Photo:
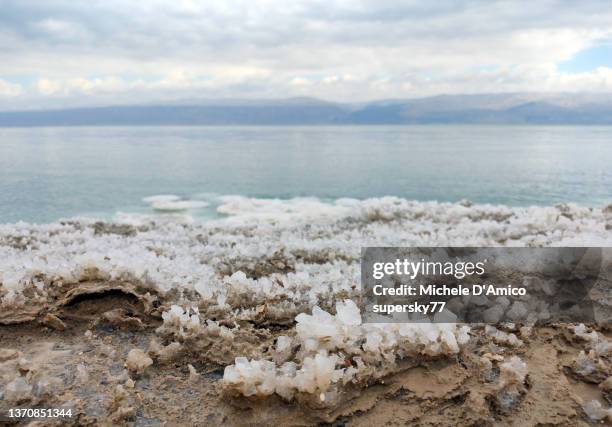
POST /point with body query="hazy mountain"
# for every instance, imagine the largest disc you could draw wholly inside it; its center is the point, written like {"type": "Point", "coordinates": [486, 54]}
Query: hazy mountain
{"type": "Point", "coordinates": [517, 108]}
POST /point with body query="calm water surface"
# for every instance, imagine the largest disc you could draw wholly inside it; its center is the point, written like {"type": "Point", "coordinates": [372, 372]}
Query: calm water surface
{"type": "Point", "coordinates": [51, 173]}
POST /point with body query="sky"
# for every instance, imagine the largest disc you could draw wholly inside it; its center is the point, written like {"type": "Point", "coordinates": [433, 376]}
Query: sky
{"type": "Point", "coordinates": [58, 53]}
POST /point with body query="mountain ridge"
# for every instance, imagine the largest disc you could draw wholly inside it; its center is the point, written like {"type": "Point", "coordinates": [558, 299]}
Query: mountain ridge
{"type": "Point", "coordinates": [509, 108]}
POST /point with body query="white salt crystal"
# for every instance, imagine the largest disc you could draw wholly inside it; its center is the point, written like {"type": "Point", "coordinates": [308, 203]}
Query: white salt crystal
{"type": "Point", "coordinates": [513, 372]}
{"type": "Point", "coordinates": [348, 312]}
{"type": "Point", "coordinates": [596, 412]}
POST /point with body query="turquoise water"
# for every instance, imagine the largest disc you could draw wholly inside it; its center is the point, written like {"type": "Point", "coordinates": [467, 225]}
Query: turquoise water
{"type": "Point", "coordinates": [51, 173]}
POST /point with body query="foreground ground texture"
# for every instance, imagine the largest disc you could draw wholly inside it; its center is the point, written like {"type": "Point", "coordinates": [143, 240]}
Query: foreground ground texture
{"type": "Point", "coordinates": [253, 319]}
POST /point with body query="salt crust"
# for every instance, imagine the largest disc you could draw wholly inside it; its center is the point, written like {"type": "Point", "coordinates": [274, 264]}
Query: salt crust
{"type": "Point", "coordinates": [324, 239]}
{"type": "Point", "coordinates": [319, 244]}
{"type": "Point", "coordinates": [338, 350]}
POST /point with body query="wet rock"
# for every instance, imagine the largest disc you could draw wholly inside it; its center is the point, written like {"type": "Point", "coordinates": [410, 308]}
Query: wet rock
{"type": "Point", "coordinates": [54, 322]}
{"type": "Point", "coordinates": [121, 318]}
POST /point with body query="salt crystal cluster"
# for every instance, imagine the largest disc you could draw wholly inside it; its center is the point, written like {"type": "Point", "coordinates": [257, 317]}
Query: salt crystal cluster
{"type": "Point", "coordinates": [185, 332]}
{"type": "Point", "coordinates": [336, 350]}
{"type": "Point", "coordinates": [180, 318]}
{"type": "Point", "coordinates": [596, 411]}
{"type": "Point", "coordinates": [513, 372]}
{"type": "Point", "coordinates": [501, 337]}
{"type": "Point", "coordinates": [511, 383]}
{"type": "Point", "coordinates": [593, 364]}
{"type": "Point", "coordinates": [597, 342]}
{"type": "Point", "coordinates": [319, 240]}
{"type": "Point", "coordinates": [183, 322]}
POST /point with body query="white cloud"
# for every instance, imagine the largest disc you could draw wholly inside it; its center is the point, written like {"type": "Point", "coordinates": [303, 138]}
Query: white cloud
{"type": "Point", "coordinates": [334, 49]}
{"type": "Point", "coordinates": [8, 89]}
{"type": "Point", "coordinates": [300, 82]}
{"type": "Point", "coordinates": [65, 30]}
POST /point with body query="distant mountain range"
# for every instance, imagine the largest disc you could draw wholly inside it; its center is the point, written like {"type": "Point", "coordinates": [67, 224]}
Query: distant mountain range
{"type": "Point", "coordinates": [516, 108]}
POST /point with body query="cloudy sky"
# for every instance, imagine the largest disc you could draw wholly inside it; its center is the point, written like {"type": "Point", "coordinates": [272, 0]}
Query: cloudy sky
{"type": "Point", "coordinates": [62, 52]}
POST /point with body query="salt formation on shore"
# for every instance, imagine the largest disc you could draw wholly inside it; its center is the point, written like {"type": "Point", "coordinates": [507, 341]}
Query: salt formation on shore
{"type": "Point", "coordinates": [317, 245]}
{"type": "Point", "coordinates": [592, 364]}
{"type": "Point", "coordinates": [271, 292]}
{"type": "Point", "coordinates": [596, 412]}
{"type": "Point", "coordinates": [338, 350]}
{"type": "Point", "coordinates": [502, 337]}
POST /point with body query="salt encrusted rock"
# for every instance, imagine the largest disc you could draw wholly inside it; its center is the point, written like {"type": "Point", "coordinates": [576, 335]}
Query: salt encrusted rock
{"type": "Point", "coordinates": [181, 318]}
{"type": "Point", "coordinates": [137, 361]}
{"type": "Point", "coordinates": [590, 367]}
{"type": "Point", "coordinates": [526, 331]}
{"type": "Point", "coordinates": [606, 389]}
{"type": "Point", "coordinates": [327, 342]}
{"type": "Point", "coordinates": [185, 333]}
{"type": "Point", "coordinates": [511, 383]}
{"type": "Point", "coordinates": [597, 342]}
{"type": "Point", "coordinates": [593, 364]}
{"type": "Point", "coordinates": [596, 412]}
{"type": "Point", "coordinates": [581, 331]}
{"type": "Point", "coordinates": [513, 372]}
{"type": "Point", "coordinates": [485, 367]}
{"type": "Point", "coordinates": [501, 337]}
{"type": "Point", "coordinates": [18, 391]}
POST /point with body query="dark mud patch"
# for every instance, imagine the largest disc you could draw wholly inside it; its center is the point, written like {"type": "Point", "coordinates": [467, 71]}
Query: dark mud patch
{"type": "Point", "coordinates": [257, 268]}
{"type": "Point", "coordinates": [119, 229]}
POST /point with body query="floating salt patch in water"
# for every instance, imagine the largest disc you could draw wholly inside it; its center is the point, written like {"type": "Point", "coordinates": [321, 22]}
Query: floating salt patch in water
{"type": "Point", "coordinates": [179, 205]}
{"type": "Point", "coordinates": [173, 203]}
{"type": "Point", "coordinates": [161, 198]}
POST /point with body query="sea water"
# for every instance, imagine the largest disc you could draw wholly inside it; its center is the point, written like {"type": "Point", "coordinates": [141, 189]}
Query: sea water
{"type": "Point", "coordinates": [52, 173]}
